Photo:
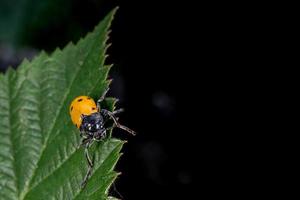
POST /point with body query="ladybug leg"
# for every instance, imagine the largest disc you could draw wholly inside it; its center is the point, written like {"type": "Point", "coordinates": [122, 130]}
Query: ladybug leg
{"type": "Point", "coordinates": [111, 115]}
{"type": "Point", "coordinates": [86, 153]}
{"type": "Point", "coordinates": [118, 111]}
{"type": "Point", "coordinates": [110, 128]}
{"type": "Point", "coordinates": [102, 97]}
{"type": "Point", "coordinates": [89, 161]}
{"type": "Point", "coordinates": [106, 116]}
{"type": "Point", "coordinates": [82, 141]}
{"type": "Point", "coordinates": [85, 138]}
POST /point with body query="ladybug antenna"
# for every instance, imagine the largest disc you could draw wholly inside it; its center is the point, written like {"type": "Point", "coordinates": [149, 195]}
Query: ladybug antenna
{"type": "Point", "coordinates": [111, 115]}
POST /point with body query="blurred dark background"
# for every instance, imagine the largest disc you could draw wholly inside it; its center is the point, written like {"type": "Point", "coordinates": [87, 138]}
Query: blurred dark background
{"type": "Point", "coordinates": [152, 66]}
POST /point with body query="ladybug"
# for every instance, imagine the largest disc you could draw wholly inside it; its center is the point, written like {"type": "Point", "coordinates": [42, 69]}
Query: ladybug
{"type": "Point", "coordinates": [90, 119]}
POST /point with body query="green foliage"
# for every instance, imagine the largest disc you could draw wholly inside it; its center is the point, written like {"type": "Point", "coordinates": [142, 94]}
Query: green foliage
{"type": "Point", "coordinates": [40, 156]}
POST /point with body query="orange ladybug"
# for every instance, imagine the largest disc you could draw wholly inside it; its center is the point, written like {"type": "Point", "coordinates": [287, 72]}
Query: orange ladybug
{"type": "Point", "coordinates": [87, 116]}
{"type": "Point", "coordinates": [82, 106]}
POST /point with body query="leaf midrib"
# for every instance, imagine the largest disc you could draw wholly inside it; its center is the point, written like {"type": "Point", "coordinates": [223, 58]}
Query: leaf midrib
{"type": "Point", "coordinates": [17, 90]}
{"type": "Point", "coordinates": [28, 188]}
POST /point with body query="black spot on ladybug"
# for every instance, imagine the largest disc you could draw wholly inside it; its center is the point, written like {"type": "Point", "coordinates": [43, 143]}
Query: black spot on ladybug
{"type": "Point", "coordinates": [93, 108]}
{"type": "Point", "coordinates": [79, 100]}
{"type": "Point", "coordinates": [89, 98]}
{"type": "Point", "coordinates": [71, 108]}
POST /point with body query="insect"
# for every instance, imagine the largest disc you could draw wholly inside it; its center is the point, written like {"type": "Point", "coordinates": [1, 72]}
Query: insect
{"type": "Point", "coordinates": [90, 119]}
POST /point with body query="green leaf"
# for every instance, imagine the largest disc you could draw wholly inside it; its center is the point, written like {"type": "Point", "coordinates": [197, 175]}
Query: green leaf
{"type": "Point", "coordinates": [39, 154]}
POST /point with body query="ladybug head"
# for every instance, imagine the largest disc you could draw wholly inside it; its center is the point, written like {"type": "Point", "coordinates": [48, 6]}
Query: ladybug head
{"type": "Point", "coordinates": [93, 123]}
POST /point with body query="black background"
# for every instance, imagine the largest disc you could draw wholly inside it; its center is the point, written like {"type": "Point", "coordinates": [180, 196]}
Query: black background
{"type": "Point", "coordinates": [152, 49]}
